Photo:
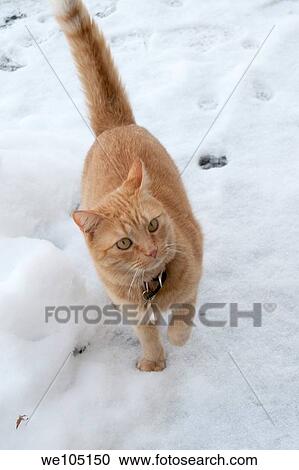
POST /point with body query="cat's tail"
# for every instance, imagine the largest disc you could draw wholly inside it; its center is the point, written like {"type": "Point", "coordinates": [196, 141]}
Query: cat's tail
{"type": "Point", "coordinates": [106, 97]}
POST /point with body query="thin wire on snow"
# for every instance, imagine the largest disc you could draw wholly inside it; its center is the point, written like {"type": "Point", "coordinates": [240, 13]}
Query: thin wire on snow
{"type": "Point", "coordinates": [26, 418]}
{"type": "Point", "coordinates": [251, 388]}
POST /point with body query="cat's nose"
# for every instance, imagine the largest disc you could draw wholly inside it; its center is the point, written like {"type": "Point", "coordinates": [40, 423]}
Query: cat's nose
{"type": "Point", "coordinates": [152, 252]}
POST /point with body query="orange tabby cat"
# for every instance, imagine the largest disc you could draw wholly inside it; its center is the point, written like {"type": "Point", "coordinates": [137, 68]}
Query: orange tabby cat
{"type": "Point", "coordinates": [135, 215]}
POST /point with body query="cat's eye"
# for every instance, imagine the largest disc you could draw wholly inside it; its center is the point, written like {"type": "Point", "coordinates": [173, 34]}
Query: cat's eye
{"type": "Point", "coordinates": [153, 225]}
{"type": "Point", "coordinates": [124, 244]}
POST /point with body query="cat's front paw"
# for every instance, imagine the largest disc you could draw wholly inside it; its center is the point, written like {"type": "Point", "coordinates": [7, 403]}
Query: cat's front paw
{"type": "Point", "coordinates": [151, 366]}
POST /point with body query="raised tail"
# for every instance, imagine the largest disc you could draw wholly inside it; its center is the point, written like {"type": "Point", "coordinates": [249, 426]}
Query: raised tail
{"type": "Point", "coordinates": [106, 97]}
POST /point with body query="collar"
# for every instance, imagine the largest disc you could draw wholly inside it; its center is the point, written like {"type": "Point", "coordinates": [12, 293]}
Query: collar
{"type": "Point", "coordinates": [149, 294]}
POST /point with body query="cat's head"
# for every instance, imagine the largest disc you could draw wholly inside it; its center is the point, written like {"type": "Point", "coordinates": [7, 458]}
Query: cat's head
{"type": "Point", "coordinates": [130, 230]}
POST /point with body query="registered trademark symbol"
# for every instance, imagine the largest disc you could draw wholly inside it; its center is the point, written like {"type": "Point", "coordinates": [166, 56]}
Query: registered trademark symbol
{"type": "Point", "coordinates": [270, 307]}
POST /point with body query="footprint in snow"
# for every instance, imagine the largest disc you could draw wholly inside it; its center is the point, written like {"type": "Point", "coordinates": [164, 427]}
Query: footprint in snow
{"type": "Point", "coordinates": [207, 104]}
{"type": "Point", "coordinates": [107, 8]}
{"type": "Point", "coordinates": [272, 3]}
{"type": "Point", "coordinates": [8, 20]}
{"type": "Point", "coordinates": [43, 18]}
{"type": "Point", "coordinates": [173, 3]}
{"type": "Point", "coordinates": [196, 38]}
{"type": "Point", "coordinates": [80, 349]}
{"type": "Point", "coordinates": [8, 65]}
{"type": "Point", "coordinates": [131, 41]}
{"type": "Point", "coordinates": [249, 44]}
{"type": "Point", "coordinates": [206, 162]}
{"type": "Point", "coordinates": [261, 91]}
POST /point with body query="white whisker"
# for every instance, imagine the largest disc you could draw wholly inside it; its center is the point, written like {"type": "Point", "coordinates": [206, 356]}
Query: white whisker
{"type": "Point", "coordinates": [135, 277]}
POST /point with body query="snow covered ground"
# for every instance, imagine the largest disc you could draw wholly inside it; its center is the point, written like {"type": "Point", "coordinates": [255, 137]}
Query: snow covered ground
{"type": "Point", "coordinates": [179, 59]}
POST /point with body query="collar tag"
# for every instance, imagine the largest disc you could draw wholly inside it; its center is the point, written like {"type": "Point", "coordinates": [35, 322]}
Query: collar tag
{"type": "Point", "coordinates": [149, 295]}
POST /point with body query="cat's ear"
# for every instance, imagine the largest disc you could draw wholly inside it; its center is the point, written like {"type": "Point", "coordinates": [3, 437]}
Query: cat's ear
{"type": "Point", "coordinates": [87, 221]}
{"type": "Point", "coordinates": [137, 178]}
